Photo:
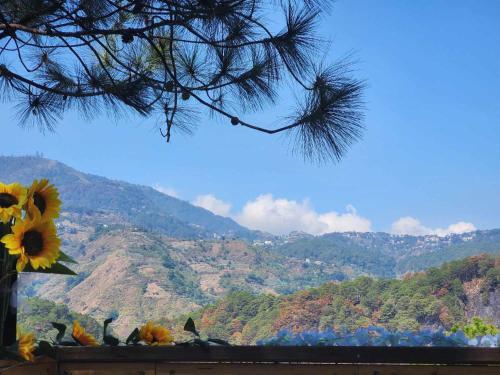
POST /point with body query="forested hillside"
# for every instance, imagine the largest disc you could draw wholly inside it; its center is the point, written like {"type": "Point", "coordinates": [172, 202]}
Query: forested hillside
{"type": "Point", "coordinates": [386, 255]}
{"type": "Point", "coordinates": [36, 315]}
{"type": "Point", "coordinates": [106, 200]}
{"type": "Point", "coordinates": [163, 276]}
{"type": "Point", "coordinates": [175, 257]}
{"type": "Point", "coordinates": [439, 297]}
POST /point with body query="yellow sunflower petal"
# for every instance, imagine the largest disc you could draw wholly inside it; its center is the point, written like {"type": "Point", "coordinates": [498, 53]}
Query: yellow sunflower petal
{"type": "Point", "coordinates": [82, 337]}
{"type": "Point", "coordinates": [26, 346]}
{"type": "Point", "coordinates": [35, 241]}
{"type": "Point", "coordinates": [10, 241]}
{"type": "Point", "coordinates": [43, 201]}
{"type": "Point", "coordinates": [155, 335]}
{"type": "Point", "coordinates": [21, 263]}
{"type": "Point", "coordinates": [12, 199]}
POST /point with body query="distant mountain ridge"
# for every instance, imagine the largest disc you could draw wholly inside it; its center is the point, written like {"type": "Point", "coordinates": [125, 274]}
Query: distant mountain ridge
{"type": "Point", "coordinates": [175, 257]}
{"type": "Point", "coordinates": [139, 205]}
{"type": "Point", "coordinates": [387, 255]}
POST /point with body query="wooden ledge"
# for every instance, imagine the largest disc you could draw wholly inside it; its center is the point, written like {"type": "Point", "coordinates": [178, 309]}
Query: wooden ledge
{"type": "Point", "coordinates": [262, 361]}
{"type": "Point", "coordinates": [283, 354]}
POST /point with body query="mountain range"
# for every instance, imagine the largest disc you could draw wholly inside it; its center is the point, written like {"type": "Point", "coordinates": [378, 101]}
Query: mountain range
{"type": "Point", "coordinates": [145, 255]}
{"type": "Point", "coordinates": [137, 205]}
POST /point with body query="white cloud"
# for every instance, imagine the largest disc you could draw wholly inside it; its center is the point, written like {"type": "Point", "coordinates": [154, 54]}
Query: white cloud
{"type": "Point", "coordinates": [457, 228]}
{"type": "Point", "coordinates": [166, 190]}
{"type": "Point", "coordinates": [213, 204]}
{"type": "Point", "coordinates": [410, 225]}
{"type": "Point", "coordinates": [281, 216]}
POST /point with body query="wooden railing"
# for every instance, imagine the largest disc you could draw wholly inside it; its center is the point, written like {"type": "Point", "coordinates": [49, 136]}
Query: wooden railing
{"type": "Point", "coordinates": [251, 360]}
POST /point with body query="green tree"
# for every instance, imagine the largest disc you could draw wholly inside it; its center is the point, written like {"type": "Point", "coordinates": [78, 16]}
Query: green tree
{"type": "Point", "coordinates": [36, 315]}
{"type": "Point", "coordinates": [476, 328]}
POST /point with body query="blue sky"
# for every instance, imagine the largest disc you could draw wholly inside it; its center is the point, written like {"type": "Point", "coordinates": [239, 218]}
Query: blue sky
{"type": "Point", "coordinates": [430, 150]}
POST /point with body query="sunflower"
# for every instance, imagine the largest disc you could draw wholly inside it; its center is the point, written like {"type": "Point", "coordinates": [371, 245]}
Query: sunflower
{"type": "Point", "coordinates": [12, 199]}
{"type": "Point", "coordinates": [155, 335]}
{"type": "Point", "coordinates": [82, 337]}
{"type": "Point", "coordinates": [26, 346]}
{"type": "Point", "coordinates": [35, 242]}
{"type": "Point", "coordinates": [43, 200]}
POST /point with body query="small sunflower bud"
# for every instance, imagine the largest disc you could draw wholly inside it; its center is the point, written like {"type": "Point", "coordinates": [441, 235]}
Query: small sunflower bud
{"type": "Point", "coordinates": [186, 95]}
{"type": "Point", "coordinates": [235, 120]}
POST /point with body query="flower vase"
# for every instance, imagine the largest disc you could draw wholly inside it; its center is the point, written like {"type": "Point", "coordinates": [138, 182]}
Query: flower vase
{"type": "Point", "coordinates": [8, 294]}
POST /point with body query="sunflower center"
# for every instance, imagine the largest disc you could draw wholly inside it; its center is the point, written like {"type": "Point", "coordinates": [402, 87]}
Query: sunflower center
{"type": "Point", "coordinates": [40, 202]}
{"type": "Point", "coordinates": [7, 200]}
{"type": "Point", "coordinates": [32, 242]}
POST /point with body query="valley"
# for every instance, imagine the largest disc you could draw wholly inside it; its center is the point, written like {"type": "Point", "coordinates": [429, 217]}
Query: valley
{"type": "Point", "coordinates": [144, 255]}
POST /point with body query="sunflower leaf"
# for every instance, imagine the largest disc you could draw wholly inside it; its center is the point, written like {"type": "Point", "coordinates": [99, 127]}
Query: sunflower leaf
{"type": "Point", "coordinates": [219, 342]}
{"type": "Point", "coordinates": [109, 339]}
{"type": "Point", "coordinates": [133, 337]}
{"type": "Point", "coordinates": [56, 268]}
{"type": "Point", "coordinates": [63, 257]}
{"type": "Point", "coordinates": [107, 322]}
{"type": "Point", "coordinates": [61, 329]}
{"type": "Point", "coordinates": [45, 348]}
{"type": "Point", "coordinates": [69, 343]}
{"type": "Point", "coordinates": [201, 343]}
{"type": "Point", "coordinates": [190, 327]}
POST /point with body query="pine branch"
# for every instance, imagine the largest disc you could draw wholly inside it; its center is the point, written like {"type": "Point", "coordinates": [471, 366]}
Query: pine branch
{"type": "Point", "coordinates": [168, 56]}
